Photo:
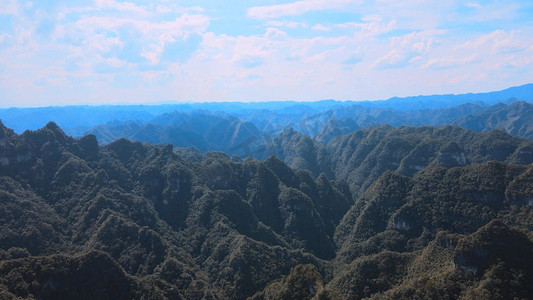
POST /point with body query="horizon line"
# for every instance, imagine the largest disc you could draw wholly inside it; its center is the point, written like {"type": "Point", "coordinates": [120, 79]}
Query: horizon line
{"type": "Point", "coordinates": [189, 102]}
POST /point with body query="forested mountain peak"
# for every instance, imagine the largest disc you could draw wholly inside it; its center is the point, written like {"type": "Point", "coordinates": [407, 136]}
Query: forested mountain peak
{"type": "Point", "coordinates": [130, 199]}
{"type": "Point", "coordinates": [216, 226]}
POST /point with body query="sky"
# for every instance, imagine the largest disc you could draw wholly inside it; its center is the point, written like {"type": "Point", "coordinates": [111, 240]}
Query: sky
{"type": "Point", "coordinates": [117, 52]}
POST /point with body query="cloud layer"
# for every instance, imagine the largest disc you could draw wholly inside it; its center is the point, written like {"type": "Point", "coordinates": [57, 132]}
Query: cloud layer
{"type": "Point", "coordinates": [109, 51]}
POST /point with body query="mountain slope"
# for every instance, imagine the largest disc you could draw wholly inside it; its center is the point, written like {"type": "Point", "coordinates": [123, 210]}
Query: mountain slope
{"type": "Point", "coordinates": [514, 119]}
{"type": "Point", "coordinates": [492, 263]}
{"type": "Point", "coordinates": [400, 213]}
{"type": "Point", "coordinates": [164, 226]}
{"type": "Point", "coordinates": [204, 131]}
{"type": "Point", "coordinates": [229, 226]}
{"type": "Point", "coordinates": [395, 242]}
{"type": "Point", "coordinates": [362, 156]}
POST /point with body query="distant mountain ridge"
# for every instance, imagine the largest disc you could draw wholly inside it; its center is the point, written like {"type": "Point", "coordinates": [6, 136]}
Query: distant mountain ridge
{"type": "Point", "coordinates": [201, 130]}
{"type": "Point", "coordinates": [267, 116]}
{"type": "Point", "coordinates": [208, 131]}
{"type": "Point", "coordinates": [522, 92]}
{"type": "Point", "coordinates": [516, 119]}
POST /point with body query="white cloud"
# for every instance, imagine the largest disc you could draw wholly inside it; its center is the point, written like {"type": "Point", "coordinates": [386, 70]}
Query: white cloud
{"type": "Point", "coordinates": [287, 24]}
{"type": "Point", "coordinates": [449, 61]}
{"type": "Point", "coordinates": [9, 7]}
{"type": "Point", "coordinates": [408, 49]}
{"type": "Point", "coordinates": [4, 36]}
{"type": "Point", "coordinates": [320, 27]}
{"type": "Point", "coordinates": [393, 58]}
{"type": "Point", "coordinates": [498, 41]}
{"type": "Point", "coordinates": [390, 48]}
{"type": "Point", "coordinates": [496, 11]}
{"type": "Point", "coordinates": [275, 34]}
{"type": "Point", "coordinates": [121, 6]}
{"type": "Point", "coordinates": [295, 8]}
{"type": "Point", "coordinates": [152, 36]}
{"type": "Point", "coordinates": [473, 5]}
{"type": "Point", "coordinates": [81, 50]}
{"type": "Point", "coordinates": [372, 18]}
{"type": "Point", "coordinates": [374, 28]}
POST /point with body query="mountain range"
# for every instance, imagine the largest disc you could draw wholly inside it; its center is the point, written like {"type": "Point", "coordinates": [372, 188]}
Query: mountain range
{"type": "Point", "coordinates": [508, 110]}
{"type": "Point", "coordinates": [381, 212]}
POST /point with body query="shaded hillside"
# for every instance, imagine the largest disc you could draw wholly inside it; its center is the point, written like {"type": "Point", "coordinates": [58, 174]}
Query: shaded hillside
{"type": "Point", "coordinates": [492, 263]}
{"type": "Point", "coordinates": [142, 221]}
{"type": "Point", "coordinates": [94, 275]}
{"type": "Point", "coordinates": [249, 133]}
{"type": "Point", "coordinates": [348, 119]}
{"type": "Point", "coordinates": [515, 119]}
{"type": "Point", "coordinates": [212, 228]}
{"type": "Point", "coordinates": [202, 130]}
{"type": "Point", "coordinates": [303, 282]}
{"type": "Point", "coordinates": [362, 156]}
{"type": "Point", "coordinates": [358, 156]}
{"type": "Point", "coordinates": [392, 240]}
{"type": "Point", "coordinates": [398, 213]}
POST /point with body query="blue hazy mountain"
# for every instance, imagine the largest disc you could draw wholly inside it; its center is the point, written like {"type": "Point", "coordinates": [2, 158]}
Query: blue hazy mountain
{"type": "Point", "coordinates": [523, 92]}
{"type": "Point", "coordinates": [268, 116]}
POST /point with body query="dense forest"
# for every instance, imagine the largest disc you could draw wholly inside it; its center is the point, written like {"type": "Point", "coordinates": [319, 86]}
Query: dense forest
{"type": "Point", "coordinates": [380, 212]}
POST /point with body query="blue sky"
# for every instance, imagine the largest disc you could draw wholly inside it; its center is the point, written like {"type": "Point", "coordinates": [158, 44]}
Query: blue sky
{"type": "Point", "coordinates": [110, 51]}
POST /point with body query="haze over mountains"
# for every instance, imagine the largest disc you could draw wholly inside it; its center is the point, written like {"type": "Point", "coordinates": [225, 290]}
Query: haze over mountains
{"type": "Point", "coordinates": [406, 198]}
{"type": "Point", "coordinates": [321, 119]}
